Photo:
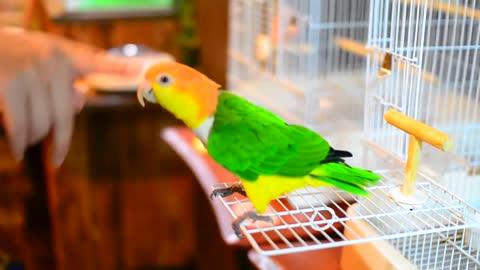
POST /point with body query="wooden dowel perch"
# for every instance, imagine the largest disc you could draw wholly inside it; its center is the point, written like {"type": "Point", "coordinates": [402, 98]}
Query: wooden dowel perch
{"type": "Point", "coordinates": [360, 49]}
{"type": "Point", "coordinates": [419, 132]}
{"type": "Point", "coordinates": [447, 7]}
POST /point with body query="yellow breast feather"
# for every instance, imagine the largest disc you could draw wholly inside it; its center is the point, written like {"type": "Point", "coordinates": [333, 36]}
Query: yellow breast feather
{"type": "Point", "coordinates": [267, 188]}
{"type": "Point", "coordinates": [181, 104]}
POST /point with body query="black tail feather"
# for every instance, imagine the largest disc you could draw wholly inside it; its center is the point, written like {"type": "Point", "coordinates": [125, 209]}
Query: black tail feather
{"type": "Point", "coordinates": [339, 153]}
{"type": "Point", "coordinates": [336, 156]}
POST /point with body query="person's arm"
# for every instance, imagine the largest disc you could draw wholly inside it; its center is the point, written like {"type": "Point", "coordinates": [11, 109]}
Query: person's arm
{"type": "Point", "coordinates": [36, 86]}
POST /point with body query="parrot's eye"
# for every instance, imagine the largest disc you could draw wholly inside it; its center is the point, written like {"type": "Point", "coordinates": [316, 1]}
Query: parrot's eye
{"type": "Point", "coordinates": [164, 80]}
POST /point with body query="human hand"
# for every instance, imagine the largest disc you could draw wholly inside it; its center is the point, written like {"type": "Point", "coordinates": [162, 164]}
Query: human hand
{"type": "Point", "coordinates": [36, 86]}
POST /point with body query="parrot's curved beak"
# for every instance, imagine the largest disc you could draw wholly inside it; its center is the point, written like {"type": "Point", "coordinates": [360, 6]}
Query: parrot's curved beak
{"type": "Point", "coordinates": [145, 92]}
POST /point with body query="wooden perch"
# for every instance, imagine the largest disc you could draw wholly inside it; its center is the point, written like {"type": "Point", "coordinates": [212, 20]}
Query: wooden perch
{"type": "Point", "coordinates": [360, 49]}
{"type": "Point", "coordinates": [453, 9]}
{"type": "Point", "coordinates": [418, 129]}
{"type": "Point", "coordinates": [353, 46]}
{"type": "Point", "coordinates": [419, 132]}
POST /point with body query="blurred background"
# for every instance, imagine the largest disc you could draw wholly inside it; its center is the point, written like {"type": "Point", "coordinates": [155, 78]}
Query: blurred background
{"type": "Point", "coordinates": [123, 199]}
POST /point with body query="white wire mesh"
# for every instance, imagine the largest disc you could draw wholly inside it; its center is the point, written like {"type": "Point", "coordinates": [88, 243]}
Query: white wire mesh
{"type": "Point", "coordinates": [444, 226]}
{"type": "Point", "coordinates": [285, 55]}
{"type": "Point", "coordinates": [434, 78]}
{"type": "Point", "coordinates": [305, 60]}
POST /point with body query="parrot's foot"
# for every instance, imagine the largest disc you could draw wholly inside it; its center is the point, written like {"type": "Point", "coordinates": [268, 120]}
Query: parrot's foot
{"type": "Point", "coordinates": [227, 191]}
{"type": "Point", "coordinates": [249, 215]}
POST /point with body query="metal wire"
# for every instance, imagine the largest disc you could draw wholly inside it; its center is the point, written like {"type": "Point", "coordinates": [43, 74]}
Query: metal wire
{"type": "Point", "coordinates": [422, 235]}
{"type": "Point", "coordinates": [295, 57]}
{"type": "Point", "coordinates": [283, 46]}
{"type": "Point", "coordinates": [436, 80]}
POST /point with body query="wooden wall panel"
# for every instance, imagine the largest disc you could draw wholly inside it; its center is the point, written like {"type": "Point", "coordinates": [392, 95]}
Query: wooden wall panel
{"type": "Point", "coordinates": [212, 18]}
{"type": "Point", "coordinates": [125, 198]}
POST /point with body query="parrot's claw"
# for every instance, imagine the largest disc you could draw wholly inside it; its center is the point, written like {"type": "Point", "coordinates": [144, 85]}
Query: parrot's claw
{"type": "Point", "coordinates": [249, 215]}
{"type": "Point", "coordinates": [227, 191]}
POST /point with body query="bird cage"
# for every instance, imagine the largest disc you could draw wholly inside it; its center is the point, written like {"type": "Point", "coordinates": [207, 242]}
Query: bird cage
{"type": "Point", "coordinates": [424, 61]}
{"type": "Point", "coordinates": [304, 60]}
{"type": "Point", "coordinates": [418, 57]}
{"type": "Point", "coordinates": [442, 233]}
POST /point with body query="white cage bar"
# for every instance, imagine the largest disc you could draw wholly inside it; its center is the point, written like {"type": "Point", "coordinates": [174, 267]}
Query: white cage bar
{"type": "Point", "coordinates": [309, 60]}
{"type": "Point", "coordinates": [445, 223]}
{"type": "Point", "coordinates": [297, 58]}
{"type": "Point", "coordinates": [443, 234]}
{"type": "Point", "coordinates": [434, 77]}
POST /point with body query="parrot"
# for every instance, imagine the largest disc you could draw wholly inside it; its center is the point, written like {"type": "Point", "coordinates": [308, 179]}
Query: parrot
{"type": "Point", "coordinates": [269, 156]}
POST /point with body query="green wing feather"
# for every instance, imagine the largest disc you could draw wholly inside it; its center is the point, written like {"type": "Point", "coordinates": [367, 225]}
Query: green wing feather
{"type": "Point", "coordinates": [251, 141]}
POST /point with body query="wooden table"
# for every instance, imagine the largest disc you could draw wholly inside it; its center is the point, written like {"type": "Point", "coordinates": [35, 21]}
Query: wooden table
{"type": "Point", "coordinates": [328, 259]}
